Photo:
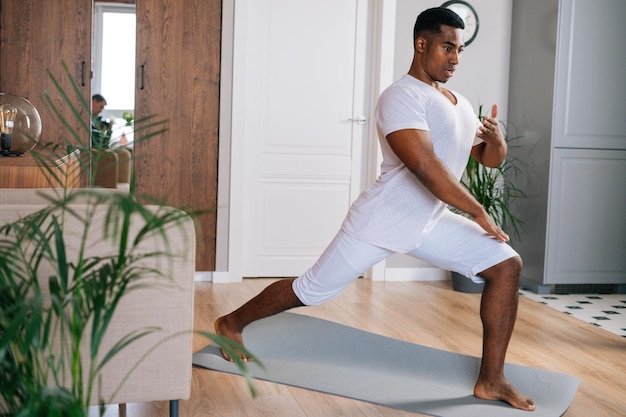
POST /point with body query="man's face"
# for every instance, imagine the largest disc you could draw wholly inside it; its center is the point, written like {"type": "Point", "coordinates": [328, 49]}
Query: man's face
{"type": "Point", "coordinates": [97, 107]}
{"type": "Point", "coordinates": [443, 52]}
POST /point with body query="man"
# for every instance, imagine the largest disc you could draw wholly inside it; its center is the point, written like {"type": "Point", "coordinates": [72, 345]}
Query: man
{"type": "Point", "coordinates": [100, 129]}
{"type": "Point", "coordinates": [426, 133]}
{"type": "Point", "coordinates": [97, 104]}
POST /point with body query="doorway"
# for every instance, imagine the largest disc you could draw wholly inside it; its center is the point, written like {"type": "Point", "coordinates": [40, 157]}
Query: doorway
{"type": "Point", "coordinates": [300, 129]}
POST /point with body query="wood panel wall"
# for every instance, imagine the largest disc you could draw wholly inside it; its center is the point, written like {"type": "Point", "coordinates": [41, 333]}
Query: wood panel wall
{"type": "Point", "coordinates": [35, 36]}
{"type": "Point", "coordinates": [178, 74]}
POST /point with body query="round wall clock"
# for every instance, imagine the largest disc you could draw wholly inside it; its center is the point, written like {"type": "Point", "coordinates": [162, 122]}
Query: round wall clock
{"type": "Point", "coordinates": [469, 16]}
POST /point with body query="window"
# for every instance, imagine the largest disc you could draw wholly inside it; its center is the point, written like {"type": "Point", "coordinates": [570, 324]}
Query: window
{"type": "Point", "coordinates": [114, 57]}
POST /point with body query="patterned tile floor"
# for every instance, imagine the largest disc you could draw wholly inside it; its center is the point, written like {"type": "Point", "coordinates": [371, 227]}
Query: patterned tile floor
{"type": "Point", "coordinates": [607, 311]}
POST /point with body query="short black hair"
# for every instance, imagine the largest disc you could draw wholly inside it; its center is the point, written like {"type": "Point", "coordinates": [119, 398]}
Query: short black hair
{"type": "Point", "coordinates": [431, 20]}
{"type": "Point", "coordinates": [98, 97]}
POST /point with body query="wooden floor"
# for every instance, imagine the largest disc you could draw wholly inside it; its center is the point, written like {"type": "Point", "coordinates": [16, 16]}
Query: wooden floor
{"type": "Point", "coordinates": [428, 313]}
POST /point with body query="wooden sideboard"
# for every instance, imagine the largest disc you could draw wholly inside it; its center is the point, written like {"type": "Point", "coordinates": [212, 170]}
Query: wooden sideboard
{"type": "Point", "coordinates": [27, 171]}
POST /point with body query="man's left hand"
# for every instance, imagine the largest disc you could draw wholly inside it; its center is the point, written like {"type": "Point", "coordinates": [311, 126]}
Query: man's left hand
{"type": "Point", "coordinates": [490, 130]}
{"type": "Point", "coordinates": [492, 150]}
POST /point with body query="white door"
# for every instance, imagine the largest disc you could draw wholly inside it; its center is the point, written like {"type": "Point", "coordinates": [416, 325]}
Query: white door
{"type": "Point", "coordinates": [304, 93]}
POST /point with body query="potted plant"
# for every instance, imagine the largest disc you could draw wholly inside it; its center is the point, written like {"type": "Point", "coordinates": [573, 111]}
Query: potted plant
{"type": "Point", "coordinates": [53, 302]}
{"type": "Point", "coordinates": [493, 188]}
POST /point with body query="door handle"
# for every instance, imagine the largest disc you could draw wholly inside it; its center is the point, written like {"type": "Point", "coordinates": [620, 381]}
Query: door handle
{"type": "Point", "coordinates": [361, 120]}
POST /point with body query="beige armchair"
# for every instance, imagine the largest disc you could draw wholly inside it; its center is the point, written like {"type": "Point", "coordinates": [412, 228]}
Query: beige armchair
{"type": "Point", "coordinates": [114, 168]}
{"type": "Point", "coordinates": [163, 369]}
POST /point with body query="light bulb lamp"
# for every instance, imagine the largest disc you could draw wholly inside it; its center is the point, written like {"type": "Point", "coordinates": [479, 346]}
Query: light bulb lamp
{"type": "Point", "coordinates": [20, 125]}
{"type": "Point", "coordinates": [7, 120]}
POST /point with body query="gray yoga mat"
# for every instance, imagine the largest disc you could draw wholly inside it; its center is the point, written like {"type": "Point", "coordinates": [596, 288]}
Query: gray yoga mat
{"type": "Point", "coordinates": [329, 357]}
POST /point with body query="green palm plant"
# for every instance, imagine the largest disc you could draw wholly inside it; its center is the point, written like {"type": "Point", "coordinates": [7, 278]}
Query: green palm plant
{"type": "Point", "coordinates": [497, 193]}
{"type": "Point", "coordinates": [493, 188]}
{"type": "Point", "coordinates": [42, 368]}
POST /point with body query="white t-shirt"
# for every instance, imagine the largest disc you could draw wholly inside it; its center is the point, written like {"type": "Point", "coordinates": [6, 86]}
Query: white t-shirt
{"type": "Point", "coordinates": [397, 211]}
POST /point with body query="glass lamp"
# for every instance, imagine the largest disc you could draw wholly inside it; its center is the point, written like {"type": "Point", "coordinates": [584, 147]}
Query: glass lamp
{"type": "Point", "coordinates": [20, 125]}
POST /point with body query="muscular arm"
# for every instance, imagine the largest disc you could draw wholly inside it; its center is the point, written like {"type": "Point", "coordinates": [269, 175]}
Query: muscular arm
{"type": "Point", "coordinates": [414, 148]}
{"type": "Point", "coordinates": [488, 155]}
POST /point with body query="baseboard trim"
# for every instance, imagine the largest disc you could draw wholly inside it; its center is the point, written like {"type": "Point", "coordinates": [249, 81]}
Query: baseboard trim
{"type": "Point", "coordinates": [390, 274]}
{"type": "Point", "coordinates": [203, 276]}
{"type": "Point", "coordinates": [416, 274]}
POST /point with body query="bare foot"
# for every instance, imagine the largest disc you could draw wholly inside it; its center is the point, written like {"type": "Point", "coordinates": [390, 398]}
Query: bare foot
{"type": "Point", "coordinates": [223, 328]}
{"type": "Point", "coordinates": [503, 391]}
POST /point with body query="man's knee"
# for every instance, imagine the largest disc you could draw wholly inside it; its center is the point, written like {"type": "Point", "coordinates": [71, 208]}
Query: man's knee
{"type": "Point", "coordinates": [509, 269]}
{"type": "Point", "coordinates": [516, 265]}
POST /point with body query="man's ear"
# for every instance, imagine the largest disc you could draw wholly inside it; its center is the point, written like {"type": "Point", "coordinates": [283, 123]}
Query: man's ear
{"type": "Point", "coordinates": [420, 44]}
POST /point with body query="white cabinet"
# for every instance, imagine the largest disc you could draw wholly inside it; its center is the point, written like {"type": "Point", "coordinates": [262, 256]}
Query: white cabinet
{"type": "Point", "coordinates": [590, 93]}
{"type": "Point", "coordinates": [567, 99]}
{"type": "Point", "coordinates": [586, 211]}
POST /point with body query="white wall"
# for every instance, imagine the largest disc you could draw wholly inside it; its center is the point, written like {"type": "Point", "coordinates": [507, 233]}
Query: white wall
{"type": "Point", "coordinates": [482, 77]}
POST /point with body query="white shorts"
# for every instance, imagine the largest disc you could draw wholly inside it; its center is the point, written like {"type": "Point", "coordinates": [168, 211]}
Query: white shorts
{"type": "Point", "coordinates": [455, 244]}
